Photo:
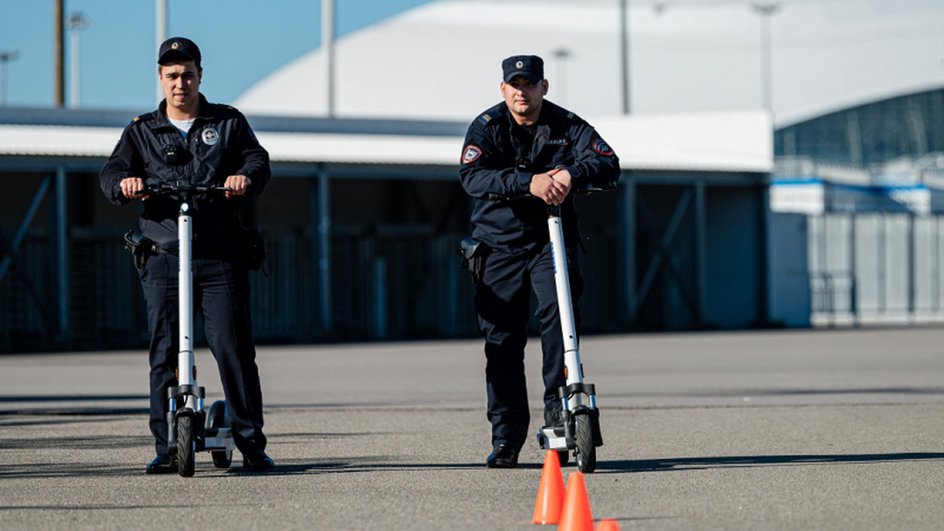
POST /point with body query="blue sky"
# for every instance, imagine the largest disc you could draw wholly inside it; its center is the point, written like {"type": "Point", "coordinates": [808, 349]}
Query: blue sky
{"type": "Point", "coordinates": [242, 41]}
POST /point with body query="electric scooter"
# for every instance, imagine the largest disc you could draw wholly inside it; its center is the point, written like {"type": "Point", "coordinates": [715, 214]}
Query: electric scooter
{"type": "Point", "coordinates": [580, 417]}
{"type": "Point", "coordinates": [190, 428]}
{"type": "Point", "coordinates": [579, 414]}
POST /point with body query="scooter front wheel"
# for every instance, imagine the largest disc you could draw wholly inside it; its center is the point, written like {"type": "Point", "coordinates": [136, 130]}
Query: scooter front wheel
{"type": "Point", "coordinates": [186, 446]}
{"type": "Point", "coordinates": [586, 452]}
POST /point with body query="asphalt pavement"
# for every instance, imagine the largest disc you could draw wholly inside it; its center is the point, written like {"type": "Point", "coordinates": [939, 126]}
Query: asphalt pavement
{"type": "Point", "coordinates": [820, 429]}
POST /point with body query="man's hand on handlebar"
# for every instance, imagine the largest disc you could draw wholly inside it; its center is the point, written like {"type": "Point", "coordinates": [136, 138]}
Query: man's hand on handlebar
{"type": "Point", "coordinates": [238, 185]}
{"type": "Point", "coordinates": [551, 187]}
{"type": "Point", "coordinates": [132, 188]}
{"type": "Point", "coordinates": [563, 176]}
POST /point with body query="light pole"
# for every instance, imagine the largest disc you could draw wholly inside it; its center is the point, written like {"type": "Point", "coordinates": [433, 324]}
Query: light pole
{"type": "Point", "coordinates": [5, 57]}
{"type": "Point", "coordinates": [766, 9]}
{"type": "Point", "coordinates": [75, 23]}
{"type": "Point", "coordinates": [328, 27]}
{"type": "Point", "coordinates": [560, 57]}
{"type": "Point", "coordinates": [160, 30]}
{"type": "Point", "coordinates": [624, 52]}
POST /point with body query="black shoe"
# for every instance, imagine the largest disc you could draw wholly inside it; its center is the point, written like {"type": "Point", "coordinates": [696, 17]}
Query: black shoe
{"type": "Point", "coordinates": [257, 460]}
{"type": "Point", "coordinates": [162, 464]}
{"type": "Point", "coordinates": [502, 456]}
{"type": "Point", "coordinates": [553, 418]}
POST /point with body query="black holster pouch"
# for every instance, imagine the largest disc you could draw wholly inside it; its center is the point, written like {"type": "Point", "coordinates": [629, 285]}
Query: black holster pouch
{"type": "Point", "coordinates": [254, 248]}
{"type": "Point", "coordinates": [140, 247]}
{"type": "Point", "coordinates": [473, 253]}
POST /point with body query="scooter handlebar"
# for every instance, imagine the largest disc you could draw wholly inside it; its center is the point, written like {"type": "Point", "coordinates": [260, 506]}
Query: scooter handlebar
{"type": "Point", "coordinates": [583, 190]}
{"type": "Point", "coordinates": [183, 192]}
{"type": "Point", "coordinates": [183, 189]}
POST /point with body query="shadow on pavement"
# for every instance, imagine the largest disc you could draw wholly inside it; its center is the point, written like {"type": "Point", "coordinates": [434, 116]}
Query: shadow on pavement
{"type": "Point", "coordinates": [98, 404]}
{"type": "Point", "coordinates": [706, 463]}
{"type": "Point", "coordinates": [741, 393]}
{"type": "Point", "coordinates": [62, 470]}
{"type": "Point", "coordinates": [68, 398]}
{"type": "Point", "coordinates": [50, 420]}
{"type": "Point", "coordinates": [98, 507]}
{"type": "Point", "coordinates": [96, 442]}
{"type": "Point", "coordinates": [355, 465]}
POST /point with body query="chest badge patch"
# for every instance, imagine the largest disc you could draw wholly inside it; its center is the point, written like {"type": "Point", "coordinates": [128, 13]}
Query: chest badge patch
{"type": "Point", "coordinates": [558, 142]}
{"type": "Point", "coordinates": [471, 153]}
{"type": "Point", "coordinates": [210, 136]}
{"type": "Point", "coordinates": [601, 147]}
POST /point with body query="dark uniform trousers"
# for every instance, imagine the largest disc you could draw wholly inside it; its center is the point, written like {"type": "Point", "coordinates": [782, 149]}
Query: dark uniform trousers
{"type": "Point", "coordinates": [221, 295]}
{"type": "Point", "coordinates": [502, 302]}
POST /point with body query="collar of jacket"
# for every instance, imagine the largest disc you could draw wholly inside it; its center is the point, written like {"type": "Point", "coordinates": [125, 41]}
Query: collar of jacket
{"type": "Point", "coordinates": [550, 113]}
{"type": "Point", "coordinates": [160, 115]}
{"type": "Point", "coordinates": [548, 118]}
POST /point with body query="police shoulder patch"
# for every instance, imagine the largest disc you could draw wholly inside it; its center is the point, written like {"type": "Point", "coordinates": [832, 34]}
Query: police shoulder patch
{"type": "Point", "coordinates": [601, 148]}
{"type": "Point", "coordinates": [471, 153]}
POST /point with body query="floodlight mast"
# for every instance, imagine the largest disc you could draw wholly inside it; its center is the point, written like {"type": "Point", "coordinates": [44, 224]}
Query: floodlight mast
{"type": "Point", "coordinates": [75, 23]}
{"type": "Point", "coordinates": [766, 9]}
{"type": "Point", "coordinates": [5, 57]}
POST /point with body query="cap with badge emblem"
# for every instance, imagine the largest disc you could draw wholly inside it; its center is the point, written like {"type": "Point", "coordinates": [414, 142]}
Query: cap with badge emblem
{"type": "Point", "coordinates": [177, 49]}
{"type": "Point", "coordinates": [531, 67]}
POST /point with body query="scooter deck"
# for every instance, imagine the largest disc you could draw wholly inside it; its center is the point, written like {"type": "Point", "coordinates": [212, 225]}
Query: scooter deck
{"type": "Point", "coordinates": [552, 438]}
{"type": "Point", "coordinates": [222, 440]}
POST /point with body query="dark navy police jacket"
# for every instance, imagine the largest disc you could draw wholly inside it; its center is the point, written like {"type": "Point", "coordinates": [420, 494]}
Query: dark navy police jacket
{"type": "Point", "coordinates": [499, 158]}
{"type": "Point", "coordinates": [219, 144]}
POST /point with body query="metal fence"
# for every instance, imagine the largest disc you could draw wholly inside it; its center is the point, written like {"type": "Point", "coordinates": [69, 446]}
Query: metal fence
{"type": "Point", "coordinates": [385, 285]}
{"type": "Point", "coordinates": [876, 267]}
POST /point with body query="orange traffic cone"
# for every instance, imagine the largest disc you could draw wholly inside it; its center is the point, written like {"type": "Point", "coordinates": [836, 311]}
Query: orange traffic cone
{"type": "Point", "coordinates": [576, 515]}
{"type": "Point", "coordinates": [547, 507]}
{"type": "Point", "coordinates": [608, 524]}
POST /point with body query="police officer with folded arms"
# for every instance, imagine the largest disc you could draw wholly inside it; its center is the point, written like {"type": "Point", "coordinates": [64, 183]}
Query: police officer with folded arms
{"type": "Point", "coordinates": [189, 140]}
{"type": "Point", "coordinates": [524, 145]}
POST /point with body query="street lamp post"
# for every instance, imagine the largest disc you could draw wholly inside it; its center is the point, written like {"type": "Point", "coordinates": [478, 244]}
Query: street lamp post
{"type": "Point", "coordinates": [560, 57]}
{"type": "Point", "coordinates": [624, 52]}
{"type": "Point", "coordinates": [75, 23]}
{"type": "Point", "coordinates": [766, 9]}
{"type": "Point", "coordinates": [5, 57]}
{"type": "Point", "coordinates": [160, 30]}
{"type": "Point", "coordinates": [328, 27]}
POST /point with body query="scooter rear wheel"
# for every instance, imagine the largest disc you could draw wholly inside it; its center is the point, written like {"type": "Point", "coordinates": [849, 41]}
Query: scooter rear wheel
{"type": "Point", "coordinates": [216, 418]}
{"type": "Point", "coordinates": [586, 452]}
{"type": "Point", "coordinates": [186, 446]}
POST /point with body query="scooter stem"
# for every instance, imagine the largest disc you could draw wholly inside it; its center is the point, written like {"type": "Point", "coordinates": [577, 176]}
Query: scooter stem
{"type": "Point", "coordinates": [564, 300]}
{"type": "Point", "coordinates": [185, 360]}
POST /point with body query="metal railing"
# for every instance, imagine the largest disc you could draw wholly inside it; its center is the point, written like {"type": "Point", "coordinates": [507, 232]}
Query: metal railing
{"type": "Point", "coordinates": [876, 267]}
{"type": "Point", "coordinates": [388, 284]}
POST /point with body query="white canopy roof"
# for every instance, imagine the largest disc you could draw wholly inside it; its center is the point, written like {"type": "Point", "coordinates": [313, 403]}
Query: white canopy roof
{"type": "Point", "coordinates": [697, 142]}
{"type": "Point", "coordinates": [442, 60]}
